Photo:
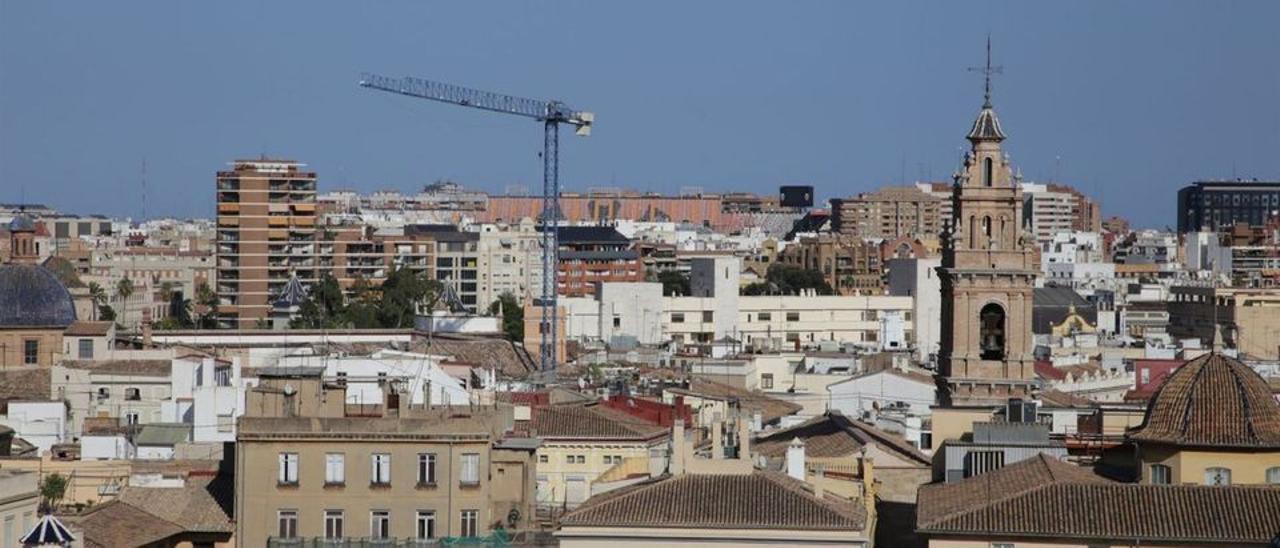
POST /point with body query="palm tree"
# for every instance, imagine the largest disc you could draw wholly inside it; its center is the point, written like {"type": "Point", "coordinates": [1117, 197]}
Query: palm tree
{"type": "Point", "coordinates": [124, 288]}
{"type": "Point", "coordinates": [97, 296]}
{"type": "Point", "coordinates": [208, 301]}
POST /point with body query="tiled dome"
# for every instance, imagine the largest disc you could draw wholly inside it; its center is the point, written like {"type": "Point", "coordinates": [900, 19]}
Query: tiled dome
{"type": "Point", "coordinates": [1212, 401]}
{"type": "Point", "coordinates": [31, 296]}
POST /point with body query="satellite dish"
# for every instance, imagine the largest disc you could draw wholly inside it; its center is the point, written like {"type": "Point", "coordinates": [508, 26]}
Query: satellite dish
{"type": "Point", "coordinates": [513, 517]}
{"type": "Point", "coordinates": [289, 390]}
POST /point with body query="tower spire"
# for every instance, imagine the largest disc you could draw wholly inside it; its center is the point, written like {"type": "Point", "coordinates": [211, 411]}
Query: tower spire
{"type": "Point", "coordinates": [987, 71]}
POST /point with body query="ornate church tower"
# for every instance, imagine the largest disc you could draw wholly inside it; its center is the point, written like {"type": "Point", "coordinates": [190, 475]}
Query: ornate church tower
{"type": "Point", "coordinates": [988, 272]}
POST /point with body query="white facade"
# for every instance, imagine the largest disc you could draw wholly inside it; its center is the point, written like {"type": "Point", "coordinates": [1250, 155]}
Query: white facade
{"type": "Point", "coordinates": [785, 321]}
{"type": "Point", "coordinates": [365, 376]}
{"type": "Point", "coordinates": [41, 423]}
{"type": "Point", "coordinates": [630, 311]}
{"type": "Point", "coordinates": [918, 279]}
{"type": "Point", "coordinates": [1048, 212]}
{"type": "Point", "coordinates": [510, 261]}
{"type": "Point", "coordinates": [861, 395]}
{"type": "Point", "coordinates": [105, 447]}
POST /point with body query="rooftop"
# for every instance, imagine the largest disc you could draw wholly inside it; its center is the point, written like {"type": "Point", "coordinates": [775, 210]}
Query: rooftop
{"type": "Point", "coordinates": [143, 368]}
{"type": "Point", "coordinates": [1212, 401]}
{"type": "Point", "coordinates": [760, 500]}
{"type": "Point", "coordinates": [31, 296]}
{"type": "Point", "coordinates": [770, 408]}
{"type": "Point", "coordinates": [1046, 498]}
{"type": "Point", "coordinates": [591, 422]}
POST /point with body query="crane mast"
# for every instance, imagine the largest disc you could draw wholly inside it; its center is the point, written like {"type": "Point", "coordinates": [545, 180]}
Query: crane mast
{"type": "Point", "coordinates": [551, 114]}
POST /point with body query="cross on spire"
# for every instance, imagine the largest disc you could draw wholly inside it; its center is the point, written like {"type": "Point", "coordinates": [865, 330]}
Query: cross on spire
{"type": "Point", "coordinates": [987, 71]}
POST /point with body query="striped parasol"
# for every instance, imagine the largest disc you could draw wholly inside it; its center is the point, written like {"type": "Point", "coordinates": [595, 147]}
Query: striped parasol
{"type": "Point", "coordinates": [48, 532]}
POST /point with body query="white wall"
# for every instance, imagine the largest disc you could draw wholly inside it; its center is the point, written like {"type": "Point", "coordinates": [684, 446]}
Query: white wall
{"type": "Point", "coordinates": [918, 279]}
{"type": "Point", "coordinates": [105, 447]}
{"type": "Point", "coordinates": [883, 389]}
{"type": "Point", "coordinates": [41, 423]}
{"type": "Point", "coordinates": [420, 370]}
{"type": "Point", "coordinates": [637, 309]}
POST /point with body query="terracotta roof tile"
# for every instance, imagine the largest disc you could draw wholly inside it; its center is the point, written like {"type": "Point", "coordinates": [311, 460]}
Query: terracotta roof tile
{"type": "Point", "coordinates": [1045, 498]}
{"type": "Point", "coordinates": [834, 435]}
{"type": "Point", "coordinates": [770, 408]}
{"type": "Point", "coordinates": [203, 507]}
{"type": "Point", "coordinates": [82, 328]}
{"type": "Point", "coordinates": [760, 500]}
{"type": "Point", "coordinates": [1212, 401]}
{"type": "Point", "coordinates": [119, 524]}
{"type": "Point", "coordinates": [578, 421]}
{"type": "Point", "coordinates": [143, 368]}
{"type": "Point", "coordinates": [25, 384]}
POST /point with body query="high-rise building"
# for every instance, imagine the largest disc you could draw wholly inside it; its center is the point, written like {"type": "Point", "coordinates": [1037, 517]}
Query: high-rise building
{"type": "Point", "coordinates": [1052, 208]}
{"type": "Point", "coordinates": [988, 273]}
{"type": "Point", "coordinates": [266, 234]}
{"type": "Point", "coordinates": [1215, 206]}
{"type": "Point", "coordinates": [888, 213]}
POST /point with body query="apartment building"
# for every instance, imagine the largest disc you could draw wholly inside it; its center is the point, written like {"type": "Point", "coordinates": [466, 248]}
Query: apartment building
{"type": "Point", "coordinates": [183, 271]}
{"type": "Point", "coordinates": [266, 233]}
{"type": "Point", "coordinates": [310, 468]}
{"type": "Point", "coordinates": [1247, 317]}
{"type": "Point", "coordinates": [510, 261]}
{"type": "Point", "coordinates": [590, 254]}
{"type": "Point", "coordinates": [1053, 208]}
{"type": "Point", "coordinates": [888, 213]}
{"type": "Point", "coordinates": [353, 252]}
{"type": "Point", "coordinates": [1218, 205]}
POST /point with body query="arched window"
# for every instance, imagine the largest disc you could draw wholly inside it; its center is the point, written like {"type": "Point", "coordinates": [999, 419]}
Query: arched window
{"type": "Point", "coordinates": [1161, 474]}
{"type": "Point", "coordinates": [986, 232]}
{"type": "Point", "coordinates": [973, 232]}
{"type": "Point", "coordinates": [988, 170]}
{"type": "Point", "coordinates": [991, 320]}
{"type": "Point", "coordinates": [1217, 476]}
{"type": "Point", "coordinates": [1273, 475]}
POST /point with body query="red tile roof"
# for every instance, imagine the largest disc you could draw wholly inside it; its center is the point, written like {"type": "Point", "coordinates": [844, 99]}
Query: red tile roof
{"type": "Point", "coordinates": [1212, 401]}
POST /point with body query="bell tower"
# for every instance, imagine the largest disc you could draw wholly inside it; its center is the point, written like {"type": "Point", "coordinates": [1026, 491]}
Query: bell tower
{"type": "Point", "coordinates": [988, 273]}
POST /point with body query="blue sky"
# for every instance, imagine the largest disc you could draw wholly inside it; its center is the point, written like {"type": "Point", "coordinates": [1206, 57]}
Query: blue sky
{"type": "Point", "coordinates": [1127, 101]}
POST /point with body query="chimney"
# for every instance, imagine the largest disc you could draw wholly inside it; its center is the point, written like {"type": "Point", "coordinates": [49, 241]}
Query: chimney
{"type": "Point", "coordinates": [744, 440]}
{"type": "Point", "coordinates": [676, 454]}
{"type": "Point", "coordinates": [146, 327]}
{"type": "Point", "coordinates": [819, 481]}
{"type": "Point", "coordinates": [717, 441]}
{"type": "Point", "coordinates": [795, 459]}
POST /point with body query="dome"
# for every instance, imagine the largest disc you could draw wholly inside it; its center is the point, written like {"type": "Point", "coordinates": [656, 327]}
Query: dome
{"type": "Point", "coordinates": [31, 296]}
{"type": "Point", "coordinates": [22, 223]}
{"type": "Point", "coordinates": [987, 126]}
{"type": "Point", "coordinates": [1212, 401]}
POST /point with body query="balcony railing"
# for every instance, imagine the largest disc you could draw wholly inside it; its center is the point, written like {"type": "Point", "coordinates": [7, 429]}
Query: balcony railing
{"type": "Point", "coordinates": [493, 540]}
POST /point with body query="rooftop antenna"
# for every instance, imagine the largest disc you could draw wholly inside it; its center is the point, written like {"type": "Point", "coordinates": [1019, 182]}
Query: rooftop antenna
{"type": "Point", "coordinates": [987, 71]}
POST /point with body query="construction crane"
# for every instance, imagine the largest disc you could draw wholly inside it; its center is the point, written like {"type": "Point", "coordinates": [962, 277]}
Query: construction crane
{"type": "Point", "coordinates": [551, 114]}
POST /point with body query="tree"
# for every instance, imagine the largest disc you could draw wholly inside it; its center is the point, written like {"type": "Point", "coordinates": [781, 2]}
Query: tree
{"type": "Point", "coordinates": [674, 283]}
{"type": "Point", "coordinates": [106, 313]}
{"type": "Point", "coordinates": [206, 307]}
{"type": "Point", "coordinates": [64, 271]}
{"type": "Point", "coordinates": [324, 307]}
{"type": "Point", "coordinates": [402, 291]}
{"type": "Point", "coordinates": [789, 280]}
{"type": "Point", "coordinates": [52, 489]}
{"type": "Point", "coordinates": [512, 315]}
{"type": "Point", "coordinates": [124, 288]}
{"type": "Point", "coordinates": [98, 297]}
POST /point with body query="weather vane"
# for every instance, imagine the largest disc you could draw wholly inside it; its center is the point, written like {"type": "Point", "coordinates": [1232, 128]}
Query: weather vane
{"type": "Point", "coordinates": [987, 71]}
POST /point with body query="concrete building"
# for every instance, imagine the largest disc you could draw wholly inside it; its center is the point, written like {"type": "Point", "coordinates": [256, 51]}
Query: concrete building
{"type": "Point", "coordinates": [1246, 317]}
{"type": "Point", "coordinates": [306, 468]}
{"type": "Point", "coordinates": [1216, 206]}
{"type": "Point", "coordinates": [1051, 209]}
{"type": "Point", "coordinates": [590, 254]}
{"type": "Point", "coordinates": [604, 206]}
{"type": "Point", "coordinates": [266, 233]}
{"type": "Point", "coordinates": [888, 213]}
{"type": "Point", "coordinates": [918, 279]}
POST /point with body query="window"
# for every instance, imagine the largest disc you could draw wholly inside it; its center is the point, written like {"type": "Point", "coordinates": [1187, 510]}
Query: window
{"type": "Point", "coordinates": [617, 321]}
{"type": "Point", "coordinates": [288, 472]}
{"type": "Point", "coordinates": [981, 462]}
{"type": "Point", "coordinates": [380, 471]}
{"type": "Point", "coordinates": [793, 316]}
{"type": "Point", "coordinates": [991, 321]}
{"type": "Point", "coordinates": [333, 521]}
{"type": "Point", "coordinates": [132, 394]}
{"type": "Point", "coordinates": [288, 520]}
{"type": "Point", "coordinates": [86, 349]}
{"type": "Point", "coordinates": [987, 172]}
{"type": "Point", "coordinates": [226, 423]}
{"type": "Point", "coordinates": [677, 317]}
{"type": "Point", "coordinates": [469, 522]}
{"type": "Point", "coordinates": [131, 418]}
{"type": "Point", "coordinates": [470, 469]}
{"type": "Point", "coordinates": [426, 524]}
{"type": "Point", "coordinates": [1273, 475]}
{"type": "Point", "coordinates": [104, 393]}
{"type": "Point", "coordinates": [1217, 476]}
{"type": "Point", "coordinates": [763, 316]}
{"type": "Point", "coordinates": [222, 376]}
{"type": "Point", "coordinates": [766, 381]}
{"type": "Point", "coordinates": [380, 524]}
{"type": "Point", "coordinates": [335, 469]}
{"type": "Point", "coordinates": [542, 459]}
{"type": "Point", "coordinates": [1161, 474]}
{"type": "Point", "coordinates": [30, 351]}
{"type": "Point", "coordinates": [426, 468]}
{"type": "Point", "coordinates": [708, 316]}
